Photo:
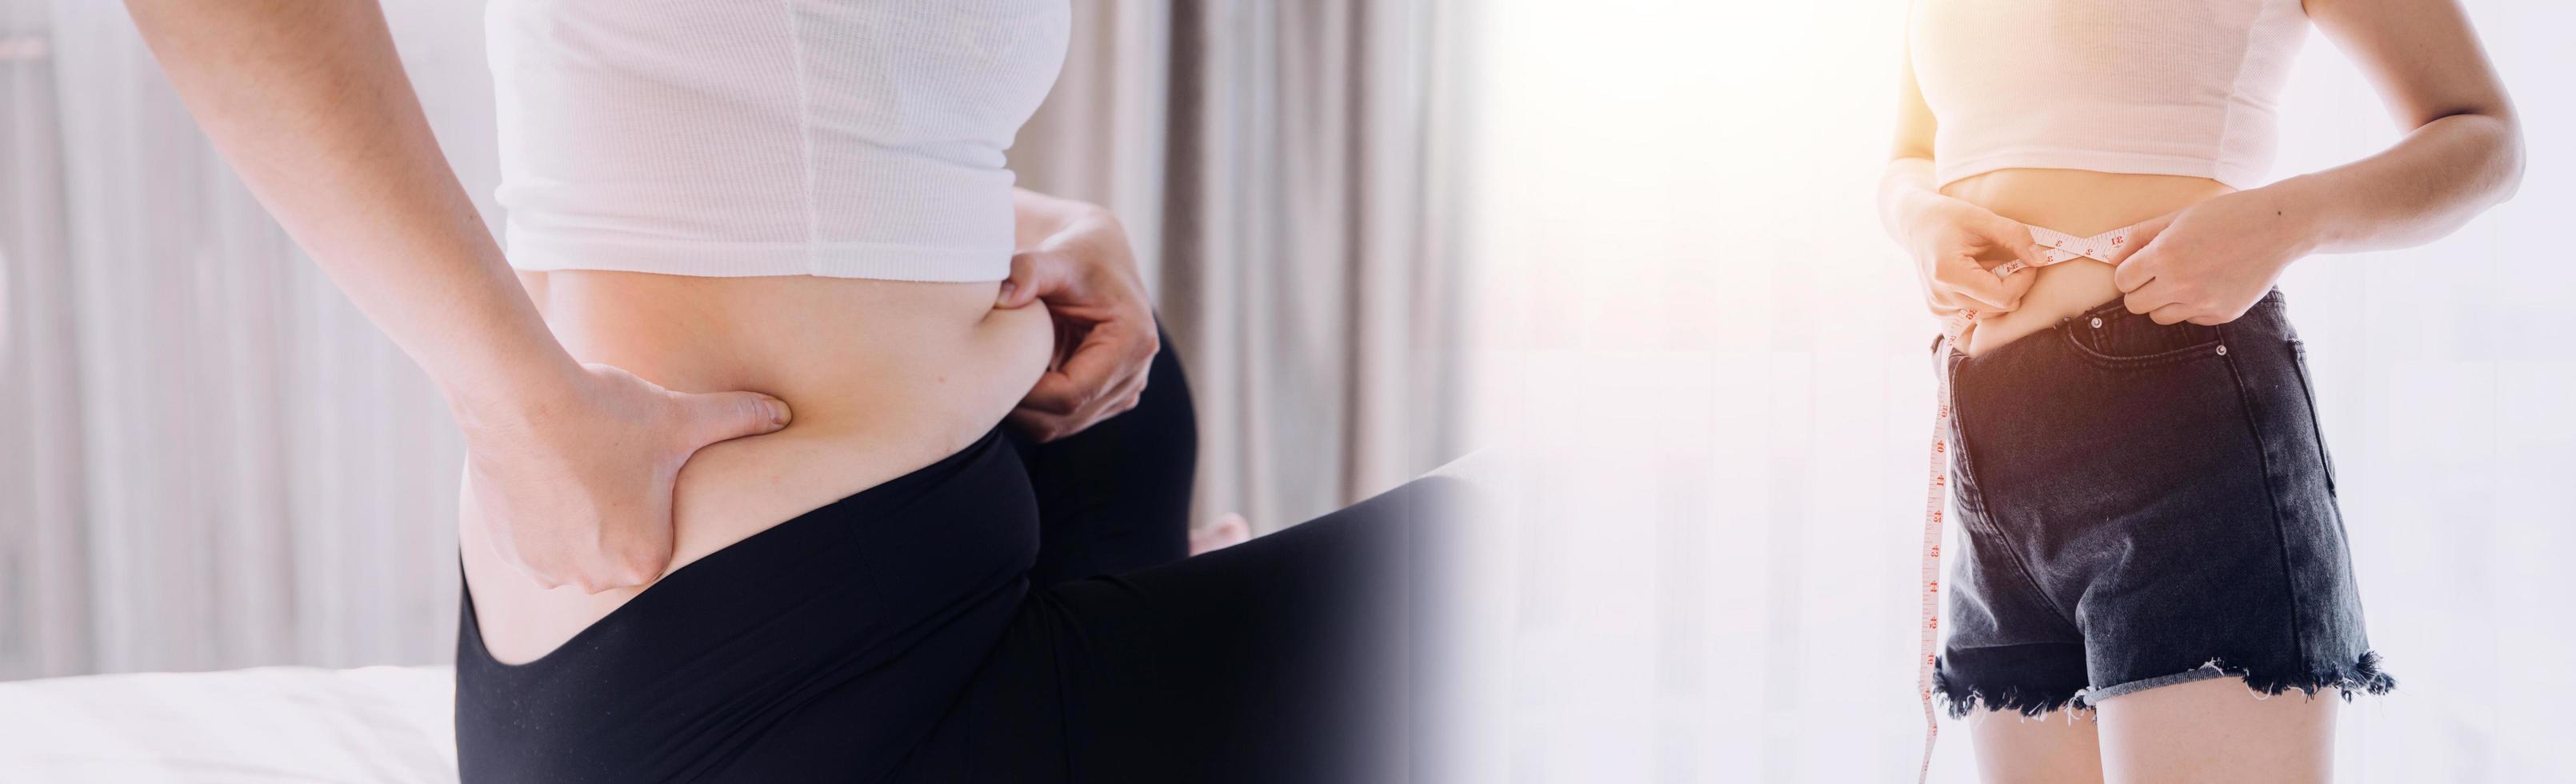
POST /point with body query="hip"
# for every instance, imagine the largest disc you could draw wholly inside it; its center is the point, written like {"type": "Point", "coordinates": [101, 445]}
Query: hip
{"type": "Point", "coordinates": [2106, 415]}
{"type": "Point", "coordinates": [826, 646]}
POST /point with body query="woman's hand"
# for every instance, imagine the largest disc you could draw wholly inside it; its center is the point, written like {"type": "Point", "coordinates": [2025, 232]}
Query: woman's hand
{"type": "Point", "coordinates": [2211, 261]}
{"type": "Point", "coordinates": [1074, 257]}
{"type": "Point", "coordinates": [1954, 245]}
{"type": "Point", "coordinates": [575, 483]}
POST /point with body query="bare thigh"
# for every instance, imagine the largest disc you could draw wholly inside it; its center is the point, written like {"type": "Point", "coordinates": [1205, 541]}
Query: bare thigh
{"type": "Point", "coordinates": [2217, 731]}
{"type": "Point", "coordinates": [2057, 746]}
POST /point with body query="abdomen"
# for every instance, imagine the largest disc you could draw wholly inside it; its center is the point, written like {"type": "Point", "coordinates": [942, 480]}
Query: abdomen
{"type": "Point", "coordinates": [883, 377]}
{"type": "Point", "coordinates": [2082, 203]}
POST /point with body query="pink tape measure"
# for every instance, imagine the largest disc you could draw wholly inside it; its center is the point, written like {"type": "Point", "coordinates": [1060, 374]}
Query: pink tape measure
{"type": "Point", "coordinates": [2055, 247]}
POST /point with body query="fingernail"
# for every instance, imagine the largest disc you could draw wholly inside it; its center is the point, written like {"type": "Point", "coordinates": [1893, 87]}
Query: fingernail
{"type": "Point", "coordinates": [778, 414]}
{"type": "Point", "coordinates": [1007, 288]}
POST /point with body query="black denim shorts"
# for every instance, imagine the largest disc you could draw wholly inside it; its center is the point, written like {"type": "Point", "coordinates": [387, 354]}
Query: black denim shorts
{"type": "Point", "coordinates": [2144, 505]}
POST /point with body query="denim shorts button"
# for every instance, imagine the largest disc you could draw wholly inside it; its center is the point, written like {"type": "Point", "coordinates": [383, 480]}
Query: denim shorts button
{"type": "Point", "coordinates": [2222, 351]}
{"type": "Point", "coordinates": [2097, 322]}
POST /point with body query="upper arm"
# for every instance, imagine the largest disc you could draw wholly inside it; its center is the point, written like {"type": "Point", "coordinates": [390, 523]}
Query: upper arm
{"type": "Point", "coordinates": [1909, 166]}
{"type": "Point", "coordinates": [1914, 123]}
{"type": "Point", "coordinates": [2421, 54]}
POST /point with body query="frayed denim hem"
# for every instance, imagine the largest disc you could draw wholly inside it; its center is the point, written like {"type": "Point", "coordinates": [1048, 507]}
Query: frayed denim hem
{"type": "Point", "coordinates": [2362, 675]}
{"type": "Point", "coordinates": [1960, 699]}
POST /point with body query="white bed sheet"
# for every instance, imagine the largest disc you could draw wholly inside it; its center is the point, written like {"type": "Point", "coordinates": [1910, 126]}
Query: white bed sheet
{"type": "Point", "coordinates": [271, 724]}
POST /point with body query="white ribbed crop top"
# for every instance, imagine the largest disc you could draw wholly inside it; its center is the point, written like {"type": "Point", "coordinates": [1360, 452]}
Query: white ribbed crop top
{"type": "Point", "coordinates": [841, 138]}
{"type": "Point", "coordinates": [2182, 87]}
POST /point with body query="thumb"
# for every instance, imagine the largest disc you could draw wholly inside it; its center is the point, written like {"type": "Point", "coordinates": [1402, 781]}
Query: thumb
{"type": "Point", "coordinates": [2135, 268]}
{"type": "Point", "coordinates": [1034, 274]}
{"type": "Point", "coordinates": [722, 416]}
{"type": "Point", "coordinates": [2139, 234]}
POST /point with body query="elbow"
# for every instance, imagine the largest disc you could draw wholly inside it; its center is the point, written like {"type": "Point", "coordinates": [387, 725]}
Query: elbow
{"type": "Point", "coordinates": [2509, 167]}
{"type": "Point", "coordinates": [2504, 155]}
{"type": "Point", "coordinates": [2485, 162]}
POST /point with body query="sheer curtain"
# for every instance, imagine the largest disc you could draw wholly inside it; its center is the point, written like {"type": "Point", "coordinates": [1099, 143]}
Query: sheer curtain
{"type": "Point", "coordinates": [1284, 169]}
{"type": "Point", "coordinates": [1698, 333]}
{"type": "Point", "coordinates": [212, 460]}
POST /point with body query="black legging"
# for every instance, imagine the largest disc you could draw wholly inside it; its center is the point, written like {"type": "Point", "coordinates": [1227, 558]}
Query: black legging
{"type": "Point", "coordinates": [1116, 496]}
{"type": "Point", "coordinates": [893, 636]}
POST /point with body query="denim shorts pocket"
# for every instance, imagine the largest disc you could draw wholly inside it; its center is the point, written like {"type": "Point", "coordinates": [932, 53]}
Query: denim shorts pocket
{"type": "Point", "coordinates": [2308, 388]}
{"type": "Point", "coordinates": [2111, 337]}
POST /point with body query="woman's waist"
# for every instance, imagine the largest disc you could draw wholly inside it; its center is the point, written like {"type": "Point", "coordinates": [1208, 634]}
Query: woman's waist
{"type": "Point", "coordinates": [882, 377]}
{"type": "Point", "coordinates": [2058, 292]}
{"type": "Point", "coordinates": [2106, 335]}
{"type": "Point", "coordinates": [2077, 202]}
{"type": "Point", "coordinates": [849, 348]}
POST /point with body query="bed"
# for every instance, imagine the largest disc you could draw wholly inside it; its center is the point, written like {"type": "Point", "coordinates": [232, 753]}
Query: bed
{"type": "Point", "coordinates": [271, 724]}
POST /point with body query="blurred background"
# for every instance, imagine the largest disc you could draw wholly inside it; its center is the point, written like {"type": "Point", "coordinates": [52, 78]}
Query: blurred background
{"type": "Point", "coordinates": [1696, 329]}
{"type": "Point", "coordinates": [209, 459]}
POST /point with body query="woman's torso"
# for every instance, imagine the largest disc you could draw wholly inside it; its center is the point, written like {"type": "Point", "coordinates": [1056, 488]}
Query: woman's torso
{"type": "Point", "coordinates": [2085, 117]}
{"type": "Point", "coordinates": [2082, 203]}
{"type": "Point", "coordinates": [884, 377]}
{"type": "Point", "coordinates": [805, 199]}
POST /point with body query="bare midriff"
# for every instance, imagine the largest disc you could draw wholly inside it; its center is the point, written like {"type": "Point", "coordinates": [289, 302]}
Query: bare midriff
{"type": "Point", "coordinates": [884, 377]}
{"type": "Point", "coordinates": [2082, 203]}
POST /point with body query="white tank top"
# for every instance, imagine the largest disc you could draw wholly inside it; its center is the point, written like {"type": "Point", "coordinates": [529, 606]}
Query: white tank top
{"type": "Point", "coordinates": [841, 138]}
{"type": "Point", "coordinates": [2184, 87]}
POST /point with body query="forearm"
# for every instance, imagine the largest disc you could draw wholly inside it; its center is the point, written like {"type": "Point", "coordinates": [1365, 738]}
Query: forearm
{"type": "Point", "coordinates": [308, 102]}
{"type": "Point", "coordinates": [1906, 181]}
{"type": "Point", "coordinates": [2424, 187]}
